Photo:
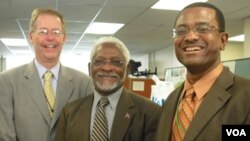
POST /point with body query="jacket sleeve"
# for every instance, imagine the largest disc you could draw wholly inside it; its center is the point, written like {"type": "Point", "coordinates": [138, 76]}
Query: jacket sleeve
{"type": "Point", "coordinates": [7, 127]}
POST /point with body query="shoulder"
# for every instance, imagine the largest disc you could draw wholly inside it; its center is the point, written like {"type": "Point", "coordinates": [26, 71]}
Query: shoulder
{"type": "Point", "coordinates": [77, 104]}
{"type": "Point", "coordinates": [73, 72]}
{"type": "Point", "coordinates": [229, 79]}
{"type": "Point", "coordinates": [14, 72]}
{"type": "Point", "coordinates": [242, 81]}
{"type": "Point", "coordinates": [141, 101]}
{"type": "Point", "coordinates": [143, 107]}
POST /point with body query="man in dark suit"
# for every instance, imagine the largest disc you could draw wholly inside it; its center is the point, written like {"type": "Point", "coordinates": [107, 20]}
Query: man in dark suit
{"type": "Point", "coordinates": [24, 108]}
{"type": "Point", "coordinates": [129, 116]}
{"type": "Point", "coordinates": [220, 97]}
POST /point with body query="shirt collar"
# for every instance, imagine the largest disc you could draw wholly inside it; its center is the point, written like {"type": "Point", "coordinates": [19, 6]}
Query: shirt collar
{"type": "Point", "coordinates": [113, 98]}
{"type": "Point", "coordinates": [202, 86]}
{"type": "Point", "coordinates": [41, 70]}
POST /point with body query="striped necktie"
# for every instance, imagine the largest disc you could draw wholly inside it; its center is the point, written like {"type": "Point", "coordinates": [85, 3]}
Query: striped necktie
{"type": "Point", "coordinates": [184, 115]}
{"type": "Point", "coordinates": [100, 126]}
{"type": "Point", "coordinates": [49, 92]}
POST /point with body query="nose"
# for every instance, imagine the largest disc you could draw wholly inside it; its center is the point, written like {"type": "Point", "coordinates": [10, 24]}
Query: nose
{"type": "Point", "coordinates": [107, 66]}
{"type": "Point", "coordinates": [191, 35]}
{"type": "Point", "coordinates": [50, 36]}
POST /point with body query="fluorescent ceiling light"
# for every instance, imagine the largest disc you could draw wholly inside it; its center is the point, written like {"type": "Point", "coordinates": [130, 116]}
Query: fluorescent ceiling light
{"type": "Point", "coordinates": [103, 28]}
{"type": "Point", "coordinates": [14, 42]}
{"type": "Point", "coordinates": [238, 38]}
{"type": "Point", "coordinates": [174, 4]}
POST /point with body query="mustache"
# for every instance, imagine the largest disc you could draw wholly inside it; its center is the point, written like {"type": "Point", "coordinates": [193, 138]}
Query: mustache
{"type": "Point", "coordinates": [193, 43]}
{"type": "Point", "coordinates": [107, 74]}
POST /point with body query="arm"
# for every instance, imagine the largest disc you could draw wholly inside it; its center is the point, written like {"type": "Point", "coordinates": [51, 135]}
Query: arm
{"type": "Point", "coordinates": [7, 126]}
{"type": "Point", "coordinates": [151, 123]}
{"type": "Point", "coordinates": [61, 127]}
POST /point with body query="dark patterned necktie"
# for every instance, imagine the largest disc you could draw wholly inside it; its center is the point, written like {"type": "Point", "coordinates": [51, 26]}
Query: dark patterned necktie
{"type": "Point", "coordinates": [100, 126]}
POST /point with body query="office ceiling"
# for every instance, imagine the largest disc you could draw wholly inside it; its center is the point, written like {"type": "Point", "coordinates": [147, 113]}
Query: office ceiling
{"type": "Point", "coordinates": [145, 29]}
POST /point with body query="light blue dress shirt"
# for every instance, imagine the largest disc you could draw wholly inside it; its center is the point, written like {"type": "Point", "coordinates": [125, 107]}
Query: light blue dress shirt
{"type": "Point", "coordinates": [109, 109]}
{"type": "Point", "coordinates": [55, 70]}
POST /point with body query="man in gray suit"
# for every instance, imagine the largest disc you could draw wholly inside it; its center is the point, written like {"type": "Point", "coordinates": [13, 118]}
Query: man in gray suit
{"type": "Point", "coordinates": [24, 108]}
{"type": "Point", "coordinates": [130, 117]}
{"type": "Point", "coordinates": [221, 97]}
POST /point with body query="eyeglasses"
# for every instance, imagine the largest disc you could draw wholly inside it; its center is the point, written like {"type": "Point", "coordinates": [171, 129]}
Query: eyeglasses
{"type": "Point", "coordinates": [199, 28]}
{"type": "Point", "coordinates": [102, 62]}
{"type": "Point", "coordinates": [45, 31]}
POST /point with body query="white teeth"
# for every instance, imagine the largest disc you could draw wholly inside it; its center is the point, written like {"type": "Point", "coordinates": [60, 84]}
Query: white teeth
{"type": "Point", "coordinates": [50, 46]}
{"type": "Point", "coordinates": [192, 49]}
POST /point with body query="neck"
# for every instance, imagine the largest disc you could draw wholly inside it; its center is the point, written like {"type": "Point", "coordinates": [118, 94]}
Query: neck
{"type": "Point", "coordinates": [48, 64]}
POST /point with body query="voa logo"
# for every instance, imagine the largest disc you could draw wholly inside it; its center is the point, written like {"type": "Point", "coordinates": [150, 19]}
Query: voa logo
{"type": "Point", "coordinates": [236, 132]}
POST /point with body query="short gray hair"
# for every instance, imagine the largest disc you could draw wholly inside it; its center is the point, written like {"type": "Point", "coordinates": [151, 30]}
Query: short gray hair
{"type": "Point", "coordinates": [113, 40]}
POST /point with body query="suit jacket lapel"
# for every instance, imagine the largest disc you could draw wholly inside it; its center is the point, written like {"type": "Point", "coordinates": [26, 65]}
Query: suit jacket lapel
{"type": "Point", "coordinates": [214, 101]}
{"type": "Point", "coordinates": [82, 129]}
{"type": "Point", "coordinates": [124, 115]}
{"type": "Point", "coordinates": [169, 114]}
{"type": "Point", "coordinates": [64, 91]}
{"type": "Point", "coordinates": [34, 87]}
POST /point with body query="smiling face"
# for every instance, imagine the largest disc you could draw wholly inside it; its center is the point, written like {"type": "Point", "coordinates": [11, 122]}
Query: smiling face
{"type": "Point", "coordinates": [48, 45]}
{"type": "Point", "coordinates": [199, 52]}
{"type": "Point", "coordinates": [108, 69]}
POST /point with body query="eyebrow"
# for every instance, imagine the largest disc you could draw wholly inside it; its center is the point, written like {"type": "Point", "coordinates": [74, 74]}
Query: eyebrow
{"type": "Point", "coordinates": [198, 23]}
{"type": "Point", "coordinates": [48, 29]}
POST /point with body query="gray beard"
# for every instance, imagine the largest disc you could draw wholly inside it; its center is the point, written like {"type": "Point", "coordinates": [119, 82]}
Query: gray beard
{"type": "Point", "coordinates": [108, 87]}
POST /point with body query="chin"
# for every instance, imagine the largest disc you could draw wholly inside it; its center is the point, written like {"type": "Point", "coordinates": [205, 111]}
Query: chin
{"type": "Point", "coordinates": [107, 88]}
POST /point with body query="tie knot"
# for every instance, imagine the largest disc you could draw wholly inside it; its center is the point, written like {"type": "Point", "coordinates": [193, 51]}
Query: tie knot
{"type": "Point", "coordinates": [190, 93]}
{"type": "Point", "coordinates": [104, 101]}
{"type": "Point", "coordinates": [47, 75]}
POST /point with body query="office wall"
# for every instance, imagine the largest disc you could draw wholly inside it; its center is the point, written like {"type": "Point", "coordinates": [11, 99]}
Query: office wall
{"type": "Point", "coordinates": [233, 50]}
{"type": "Point", "coordinates": [144, 59]}
{"type": "Point", "coordinates": [165, 58]}
{"type": "Point", "coordinates": [162, 59]}
{"type": "Point", "coordinates": [242, 67]}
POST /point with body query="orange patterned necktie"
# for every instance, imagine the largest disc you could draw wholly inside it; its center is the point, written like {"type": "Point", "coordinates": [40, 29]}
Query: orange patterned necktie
{"type": "Point", "coordinates": [184, 115]}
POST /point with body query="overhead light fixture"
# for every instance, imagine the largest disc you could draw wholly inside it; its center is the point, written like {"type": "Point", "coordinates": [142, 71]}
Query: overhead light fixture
{"type": "Point", "coordinates": [14, 42]}
{"type": "Point", "coordinates": [104, 28]}
{"type": "Point", "coordinates": [238, 38]}
{"type": "Point", "coordinates": [174, 4]}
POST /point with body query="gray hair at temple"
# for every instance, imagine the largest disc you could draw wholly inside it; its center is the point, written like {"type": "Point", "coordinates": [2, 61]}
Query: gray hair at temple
{"type": "Point", "coordinates": [113, 40]}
